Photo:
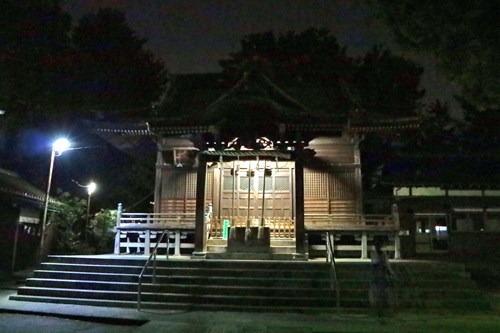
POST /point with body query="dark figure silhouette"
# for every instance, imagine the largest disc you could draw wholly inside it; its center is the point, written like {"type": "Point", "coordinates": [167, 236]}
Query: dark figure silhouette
{"type": "Point", "coordinates": [382, 280]}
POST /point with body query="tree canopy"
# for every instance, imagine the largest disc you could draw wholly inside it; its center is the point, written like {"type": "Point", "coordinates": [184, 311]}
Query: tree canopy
{"type": "Point", "coordinates": [461, 35]}
{"type": "Point", "coordinates": [378, 84]}
{"type": "Point", "coordinates": [113, 70]}
{"type": "Point", "coordinates": [34, 44]}
{"type": "Point", "coordinates": [51, 72]}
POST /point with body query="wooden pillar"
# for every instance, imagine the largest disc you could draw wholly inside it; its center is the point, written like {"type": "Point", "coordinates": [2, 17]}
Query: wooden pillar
{"type": "Point", "coordinates": [358, 180]}
{"type": "Point", "coordinates": [118, 231]}
{"type": "Point", "coordinates": [397, 245]}
{"type": "Point", "coordinates": [397, 240]}
{"type": "Point", "coordinates": [299, 209]}
{"type": "Point", "coordinates": [158, 182]}
{"type": "Point", "coordinates": [364, 245]}
{"type": "Point", "coordinates": [147, 242]}
{"type": "Point", "coordinates": [177, 245]}
{"type": "Point", "coordinates": [200, 247]}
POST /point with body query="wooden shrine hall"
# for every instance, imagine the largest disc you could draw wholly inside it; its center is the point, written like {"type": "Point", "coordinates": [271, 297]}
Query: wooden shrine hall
{"type": "Point", "coordinates": [255, 175]}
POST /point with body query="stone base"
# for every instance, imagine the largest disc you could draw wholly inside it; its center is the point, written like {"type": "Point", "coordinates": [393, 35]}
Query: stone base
{"type": "Point", "coordinates": [241, 242]}
{"type": "Point", "coordinates": [199, 255]}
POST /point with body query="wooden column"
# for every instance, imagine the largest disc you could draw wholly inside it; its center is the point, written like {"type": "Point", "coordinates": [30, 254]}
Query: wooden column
{"type": "Point", "coordinates": [158, 182]}
{"type": "Point", "coordinates": [397, 240]}
{"type": "Point", "coordinates": [200, 247]}
{"type": "Point", "coordinates": [147, 242]}
{"type": "Point", "coordinates": [118, 231]}
{"type": "Point", "coordinates": [358, 180]}
{"type": "Point", "coordinates": [177, 245]}
{"type": "Point", "coordinates": [364, 245]}
{"type": "Point", "coordinates": [299, 209]}
{"type": "Point", "coordinates": [397, 246]}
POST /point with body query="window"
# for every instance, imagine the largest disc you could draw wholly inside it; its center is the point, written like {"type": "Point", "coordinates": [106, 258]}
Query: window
{"type": "Point", "coordinates": [468, 221]}
{"type": "Point", "coordinates": [423, 225]}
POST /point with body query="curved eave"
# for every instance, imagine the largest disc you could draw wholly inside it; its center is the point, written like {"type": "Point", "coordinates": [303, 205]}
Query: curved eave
{"type": "Point", "coordinates": [443, 184]}
{"type": "Point", "coordinates": [14, 186]}
{"type": "Point", "coordinates": [117, 131]}
{"type": "Point", "coordinates": [177, 130]}
{"type": "Point", "coordinates": [383, 128]}
{"type": "Point", "coordinates": [247, 153]}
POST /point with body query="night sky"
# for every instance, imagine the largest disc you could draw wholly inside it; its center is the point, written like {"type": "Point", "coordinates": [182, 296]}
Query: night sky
{"type": "Point", "coordinates": [192, 35]}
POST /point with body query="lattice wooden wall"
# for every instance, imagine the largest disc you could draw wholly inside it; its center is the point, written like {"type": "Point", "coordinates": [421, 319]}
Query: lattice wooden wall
{"type": "Point", "coordinates": [178, 191]}
{"type": "Point", "coordinates": [329, 192]}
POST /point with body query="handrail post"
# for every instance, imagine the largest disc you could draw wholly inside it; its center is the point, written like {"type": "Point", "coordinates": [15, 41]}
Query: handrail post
{"type": "Point", "coordinates": [119, 211]}
{"type": "Point", "coordinates": [333, 270]}
{"type": "Point", "coordinates": [306, 246]}
{"type": "Point", "coordinates": [118, 230]}
{"type": "Point", "coordinates": [141, 275]}
{"type": "Point", "coordinates": [168, 244]}
{"type": "Point", "coordinates": [139, 289]}
{"type": "Point", "coordinates": [154, 267]}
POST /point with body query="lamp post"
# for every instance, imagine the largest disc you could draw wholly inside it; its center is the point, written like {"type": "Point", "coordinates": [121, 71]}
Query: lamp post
{"type": "Point", "coordinates": [58, 147]}
{"type": "Point", "coordinates": [90, 189]}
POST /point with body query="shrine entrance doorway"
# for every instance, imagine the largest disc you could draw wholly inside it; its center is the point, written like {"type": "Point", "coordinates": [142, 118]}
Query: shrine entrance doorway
{"type": "Point", "coordinates": [252, 194]}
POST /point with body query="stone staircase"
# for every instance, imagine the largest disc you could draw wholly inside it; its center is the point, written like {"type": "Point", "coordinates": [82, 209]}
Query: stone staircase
{"type": "Point", "coordinates": [246, 285]}
{"type": "Point", "coordinates": [249, 285]}
{"type": "Point", "coordinates": [419, 285]}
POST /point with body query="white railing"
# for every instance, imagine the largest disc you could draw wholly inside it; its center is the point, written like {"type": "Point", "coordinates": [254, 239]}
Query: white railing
{"type": "Point", "coordinates": [174, 218]}
{"type": "Point", "coordinates": [350, 221]}
{"type": "Point", "coordinates": [135, 231]}
{"type": "Point", "coordinates": [360, 226]}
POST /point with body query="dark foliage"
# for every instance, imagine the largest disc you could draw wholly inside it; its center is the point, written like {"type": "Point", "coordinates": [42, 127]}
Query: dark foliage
{"type": "Point", "coordinates": [461, 35]}
{"type": "Point", "coordinates": [378, 84]}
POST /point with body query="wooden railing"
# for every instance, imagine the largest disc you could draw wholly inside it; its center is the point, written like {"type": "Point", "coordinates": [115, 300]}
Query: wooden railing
{"type": "Point", "coordinates": [145, 227]}
{"type": "Point", "coordinates": [349, 221]}
{"type": "Point", "coordinates": [279, 227]}
{"type": "Point", "coordinates": [172, 219]}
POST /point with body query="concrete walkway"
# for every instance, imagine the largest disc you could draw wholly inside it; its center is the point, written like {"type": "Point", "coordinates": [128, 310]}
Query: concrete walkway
{"type": "Point", "coordinates": [63, 318]}
{"type": "Point", "coordinates": [191, 321]}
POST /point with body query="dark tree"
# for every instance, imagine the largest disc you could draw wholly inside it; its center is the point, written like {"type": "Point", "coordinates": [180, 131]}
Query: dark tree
{"type": "Point", "coordinates": [34, 49]}
{"type": "Point", "coordinates": [311, 61]}
{"type": "Point", "coordinates": [386, 84]}
{"type": "Point", "coordinates": [50, 79]}
{"type": "Point", "coordinates": [113, 69]}
{"type": "Point", "coordinates": [379, 84]}
{"type": "Point", "coordinates": [462, 36]}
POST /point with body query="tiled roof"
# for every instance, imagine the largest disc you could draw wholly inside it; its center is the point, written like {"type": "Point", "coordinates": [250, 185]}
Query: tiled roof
{"type": "Point", "coordinates": [12, 184]}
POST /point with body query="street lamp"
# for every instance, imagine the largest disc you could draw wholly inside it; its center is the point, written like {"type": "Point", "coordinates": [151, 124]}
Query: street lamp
{"type": "Point", "coordinates": [90, 189]}
{"type": "Point", "coordinates": [58, 147]}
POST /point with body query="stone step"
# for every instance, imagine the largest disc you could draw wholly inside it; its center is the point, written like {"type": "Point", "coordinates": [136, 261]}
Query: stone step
{"type": "Point", "coordinates": [422, 282]}
{"type": "Point", "coordinates": [169, 306]}
{"type": "Point", "coordinates": [278, 272]}
{"type": "Point", "coordinates": [244, 284]}
{"type": "Point", "coordinates": [130, 261]}
{"type": "Point", "coordinates": [234, 300]}
{"type": "Point", "coordinates": [270, 290]}
{"type": "Point", "coordinates": [172, 279]}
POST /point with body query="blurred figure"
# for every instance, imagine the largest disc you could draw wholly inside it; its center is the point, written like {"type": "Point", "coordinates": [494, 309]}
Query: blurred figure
{"type": "Point", "coordinates": [382, 280]}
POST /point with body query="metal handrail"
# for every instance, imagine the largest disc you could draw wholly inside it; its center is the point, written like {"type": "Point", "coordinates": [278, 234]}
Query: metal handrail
{"type": "Point", "coordinates": [151, 256]}
{"type": "Point", "coordinates": [333, 270]}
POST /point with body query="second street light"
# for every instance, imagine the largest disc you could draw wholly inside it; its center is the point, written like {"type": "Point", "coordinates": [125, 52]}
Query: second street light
{"type": "Point", "coordinates": [58, 147]}
{"type": "Point", "coordinates": [90, 189]}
